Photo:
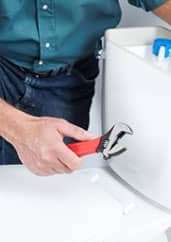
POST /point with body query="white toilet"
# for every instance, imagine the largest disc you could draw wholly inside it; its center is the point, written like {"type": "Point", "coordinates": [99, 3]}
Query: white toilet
{"type": "Point", "coordinates": [130, 202]}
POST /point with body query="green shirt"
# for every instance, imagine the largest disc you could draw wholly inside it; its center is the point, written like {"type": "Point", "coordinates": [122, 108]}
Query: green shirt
{"type": "Point", "coordinates": [46, 34]}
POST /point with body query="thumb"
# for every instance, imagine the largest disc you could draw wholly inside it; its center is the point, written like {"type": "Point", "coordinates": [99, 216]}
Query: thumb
{"type": "Point", "coordinates": [73, 131]}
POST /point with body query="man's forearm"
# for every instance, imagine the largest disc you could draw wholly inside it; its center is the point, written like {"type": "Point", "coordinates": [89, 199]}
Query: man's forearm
{"type": "Point", "coordinates": [164, 11]}
{"type": "Point", "coordinates": [10, 121]}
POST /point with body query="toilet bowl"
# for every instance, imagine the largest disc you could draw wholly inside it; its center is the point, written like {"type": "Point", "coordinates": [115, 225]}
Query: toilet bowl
{"type": "Point", "coordinates": [127, 201]}
{"type": "Point", "coordinates": [91, 205]}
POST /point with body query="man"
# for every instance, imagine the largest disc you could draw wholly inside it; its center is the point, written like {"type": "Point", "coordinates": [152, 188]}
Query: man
{"type": "Point", "coordinates": [47, 69]}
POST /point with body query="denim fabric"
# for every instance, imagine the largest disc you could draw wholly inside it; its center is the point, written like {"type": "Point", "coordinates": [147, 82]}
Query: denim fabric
{"type": "Point", "coordinates": [66, 96]}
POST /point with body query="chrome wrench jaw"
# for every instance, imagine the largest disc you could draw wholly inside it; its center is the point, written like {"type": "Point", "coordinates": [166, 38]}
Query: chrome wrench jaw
{"type": "Point", "coordinates": [107, 154]}
{"type": "Point", "coordinates": [107, 144]}
{"type": "Point", "coordinates": [111, 146]}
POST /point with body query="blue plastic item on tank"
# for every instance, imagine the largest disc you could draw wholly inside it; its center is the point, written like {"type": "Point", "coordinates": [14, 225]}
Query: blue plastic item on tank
{"type": "Point", "coordinates": [161, 42]}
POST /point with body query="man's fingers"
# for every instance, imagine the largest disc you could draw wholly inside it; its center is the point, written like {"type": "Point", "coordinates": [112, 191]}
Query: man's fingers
{"type": "Point", "coordinates": [40, 172]}
{"type": "Point", "coordinates": [62, 168]}
{"type": "Point", "coordinates": [49, 171]}
{"type": "Point", "coordinates": [43, 150]}
{"type": "Point", "coordinates": [68, 158]}
{"type": "Point", "coordinates": [58, 166]}
{"type": "Point", "coordinates": [73, 131]}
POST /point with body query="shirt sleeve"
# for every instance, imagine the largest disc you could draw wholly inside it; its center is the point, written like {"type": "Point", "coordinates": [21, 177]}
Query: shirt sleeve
{"type": "Point", "coordinates": [148, 5]}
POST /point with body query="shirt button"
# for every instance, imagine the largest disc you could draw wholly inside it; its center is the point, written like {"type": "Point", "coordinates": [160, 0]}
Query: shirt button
{"type": "Point", "coordinates": [40, 62]}
{"type": "Point", "coordinates": [47, 44]}
{"type": "Point", "coordinates": [45, 7]}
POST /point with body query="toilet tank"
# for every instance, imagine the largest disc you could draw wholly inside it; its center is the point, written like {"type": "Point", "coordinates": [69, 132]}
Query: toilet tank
{"type": "Point", "coordinates": [137, 91]}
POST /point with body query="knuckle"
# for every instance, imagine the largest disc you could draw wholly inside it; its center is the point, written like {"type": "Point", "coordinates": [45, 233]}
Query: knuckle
{"type": "Point", "coordinates": [46, 157]}
{"type": "Point", "coordinates": [63, 121]}
{"type": "Point", "coordinates": [68, 170]}
{"type": "Point", "coordinates": [60, 172]}
{"type": "Point", "coordinates": [61, 167]}
{"type": "Point", "coordinates": [38, 173]}
{"type": "Point", "coordinates": [39, 166]}
{"type": "Point", "coordinates": [75, 129]}
{"type": "Point", "coordinates": [75, 166]}
{"type": "Point", "coordinates": [40, 170]}
{"type": "Point", "coordinates": [78, 130]}
{"type": "Point", "coordinates": [44, 122]}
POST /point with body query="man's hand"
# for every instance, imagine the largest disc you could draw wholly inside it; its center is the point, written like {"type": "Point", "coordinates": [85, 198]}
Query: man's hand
{"type": "Point", "coordinates": [39, 141]}
{"type": "Point", "coordinates": [164, 11]}
{"type": "Point", "coordinates": [41, 146]}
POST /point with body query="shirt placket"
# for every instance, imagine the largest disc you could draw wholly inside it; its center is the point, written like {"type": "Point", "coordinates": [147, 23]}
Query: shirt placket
{"type": "Point", "coordinates": [46, 30]}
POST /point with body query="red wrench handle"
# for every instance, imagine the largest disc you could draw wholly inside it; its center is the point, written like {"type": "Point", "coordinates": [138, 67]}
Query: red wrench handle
{"type": "Point", "coordinates": [85, 147]}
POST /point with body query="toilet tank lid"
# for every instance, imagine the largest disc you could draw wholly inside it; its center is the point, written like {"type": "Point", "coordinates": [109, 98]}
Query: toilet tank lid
{"type": "Point", "coordinates": [144, 35]}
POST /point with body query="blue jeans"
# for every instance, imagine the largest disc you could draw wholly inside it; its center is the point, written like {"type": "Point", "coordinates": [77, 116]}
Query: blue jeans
{"type": "Point", "coordinates": [67, 96]}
